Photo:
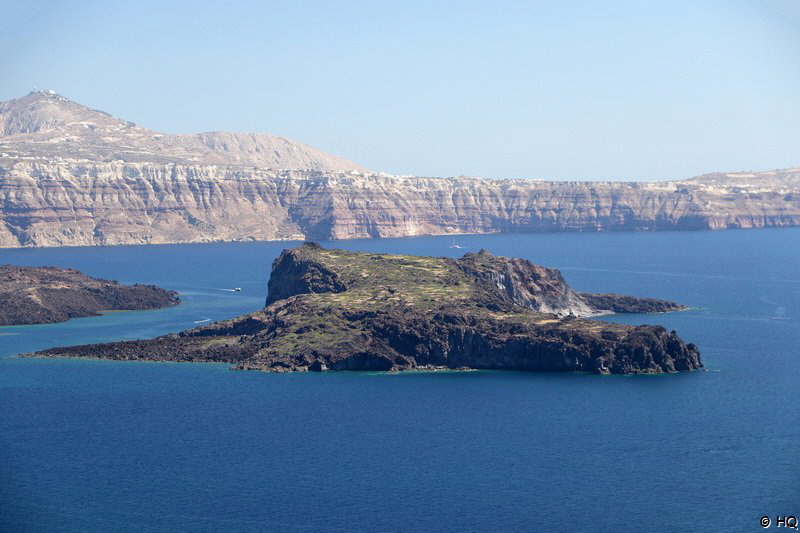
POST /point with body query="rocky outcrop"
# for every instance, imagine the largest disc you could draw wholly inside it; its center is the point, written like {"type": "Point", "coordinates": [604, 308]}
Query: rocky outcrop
{"type": "Point", "coordinates": [616, 303]}
{"type": "Point", "coordinates": [337, 310]}
{"type": "Point", "coordinates": [522, 283]}
{"type": "Point", "coordinates": [38, 295]}
{"type": "Point", "coordinates": [298, 272]}
{"type": "Point", "coordinates": [72, 176]}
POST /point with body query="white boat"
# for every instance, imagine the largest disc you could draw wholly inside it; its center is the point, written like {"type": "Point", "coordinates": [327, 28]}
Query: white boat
{"type": "Point", "coordinates": [454, 245]}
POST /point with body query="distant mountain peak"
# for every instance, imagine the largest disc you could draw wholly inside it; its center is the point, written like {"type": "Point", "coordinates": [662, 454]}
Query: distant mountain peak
{"type": "Point", "coordinates": [42, 111]}
{"type": "Point", "coordinates": [44, 124]}
{"type": "Point", "coordinates": [46, 93]}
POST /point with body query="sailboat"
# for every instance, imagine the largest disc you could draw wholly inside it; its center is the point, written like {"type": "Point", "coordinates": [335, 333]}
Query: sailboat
{"type": "Point", "coordinates": [454, 245]}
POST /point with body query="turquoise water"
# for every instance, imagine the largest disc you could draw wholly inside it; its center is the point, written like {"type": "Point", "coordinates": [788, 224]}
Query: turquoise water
{"type": "Point", "coordinates": [108, 446]}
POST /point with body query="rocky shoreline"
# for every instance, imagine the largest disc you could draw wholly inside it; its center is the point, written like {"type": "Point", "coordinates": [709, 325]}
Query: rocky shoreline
{"type": "Point", "coordinates": [339, 310]}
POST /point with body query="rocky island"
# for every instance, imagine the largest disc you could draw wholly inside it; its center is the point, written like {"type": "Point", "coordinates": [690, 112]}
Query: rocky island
{"type": "Point", "coordinates": [41, 295]}
{"type": "Point", "coordinates": [338, 310]}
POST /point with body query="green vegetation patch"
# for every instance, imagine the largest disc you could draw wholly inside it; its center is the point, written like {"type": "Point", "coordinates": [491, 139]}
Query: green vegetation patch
{"type": "Point", "coordinates": [377, 280]}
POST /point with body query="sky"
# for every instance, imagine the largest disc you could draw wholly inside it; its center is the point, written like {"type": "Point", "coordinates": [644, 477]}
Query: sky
{"type": "Point", "coordinates": [556, 90]}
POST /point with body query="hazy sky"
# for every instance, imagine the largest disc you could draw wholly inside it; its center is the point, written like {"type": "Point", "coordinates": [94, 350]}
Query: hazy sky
{"type": "Point", "coordinates": [587, 90]}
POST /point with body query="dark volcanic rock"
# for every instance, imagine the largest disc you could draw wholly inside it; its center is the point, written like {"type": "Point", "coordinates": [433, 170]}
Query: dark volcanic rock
{"type": "Point", "coordinates": [37, 295]}
{"type": "Point", "coordinates": [616, 303]}
{"type": "Point", "coordinates": [520, 282]}
{"type": "Point", "coordinates": [338, 310]}
{"type": "Point", "coordinates": [296, 272]}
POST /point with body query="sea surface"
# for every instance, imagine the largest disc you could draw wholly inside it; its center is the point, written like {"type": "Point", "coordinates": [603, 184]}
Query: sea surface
{"type": "Point", "coordinates": [91, 445]}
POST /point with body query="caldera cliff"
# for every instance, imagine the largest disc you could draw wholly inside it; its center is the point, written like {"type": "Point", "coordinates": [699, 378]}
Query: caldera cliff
{"type": "Point", "coordinates": [73, 176]}
{"type": "Point", "coordinates": [339, 310]}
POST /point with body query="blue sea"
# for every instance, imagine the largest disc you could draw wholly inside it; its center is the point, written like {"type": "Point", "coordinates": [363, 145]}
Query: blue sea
{"type": "Point", "coordinates": [121, 446]}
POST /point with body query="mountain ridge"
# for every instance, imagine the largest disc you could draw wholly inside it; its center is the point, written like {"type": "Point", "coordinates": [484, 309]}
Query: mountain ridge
{"type": "Point", "coordinates": [46, 124]}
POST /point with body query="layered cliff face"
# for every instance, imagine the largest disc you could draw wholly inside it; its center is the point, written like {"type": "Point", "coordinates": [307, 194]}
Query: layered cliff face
{"type": "Point", "coordinates": [70, 175]}
{"type": "Point", "coordinates": [39, 295]}
{"type": "Point", "coordinates": [338, 310]}
{"type": "Point", "coordinates": [49, 203]}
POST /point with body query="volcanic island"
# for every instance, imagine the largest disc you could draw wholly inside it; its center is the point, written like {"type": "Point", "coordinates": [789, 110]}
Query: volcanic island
{"type": "Point", "coordinates": [44, 295]}
{"type": "Point", "coordinates": [330, 309]}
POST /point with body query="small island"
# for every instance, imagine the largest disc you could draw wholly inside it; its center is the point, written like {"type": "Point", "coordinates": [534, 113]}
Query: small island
{"type": "Point", "coordinates": [44, 295]}
{"type": "Point", "coordinates": [338, 310]}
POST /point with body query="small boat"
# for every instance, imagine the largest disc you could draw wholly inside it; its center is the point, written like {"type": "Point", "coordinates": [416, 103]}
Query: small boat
{"type": "Point", "coordinates": [454, 245]}
{"type": "Point", "coordinates": [237, 289]}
